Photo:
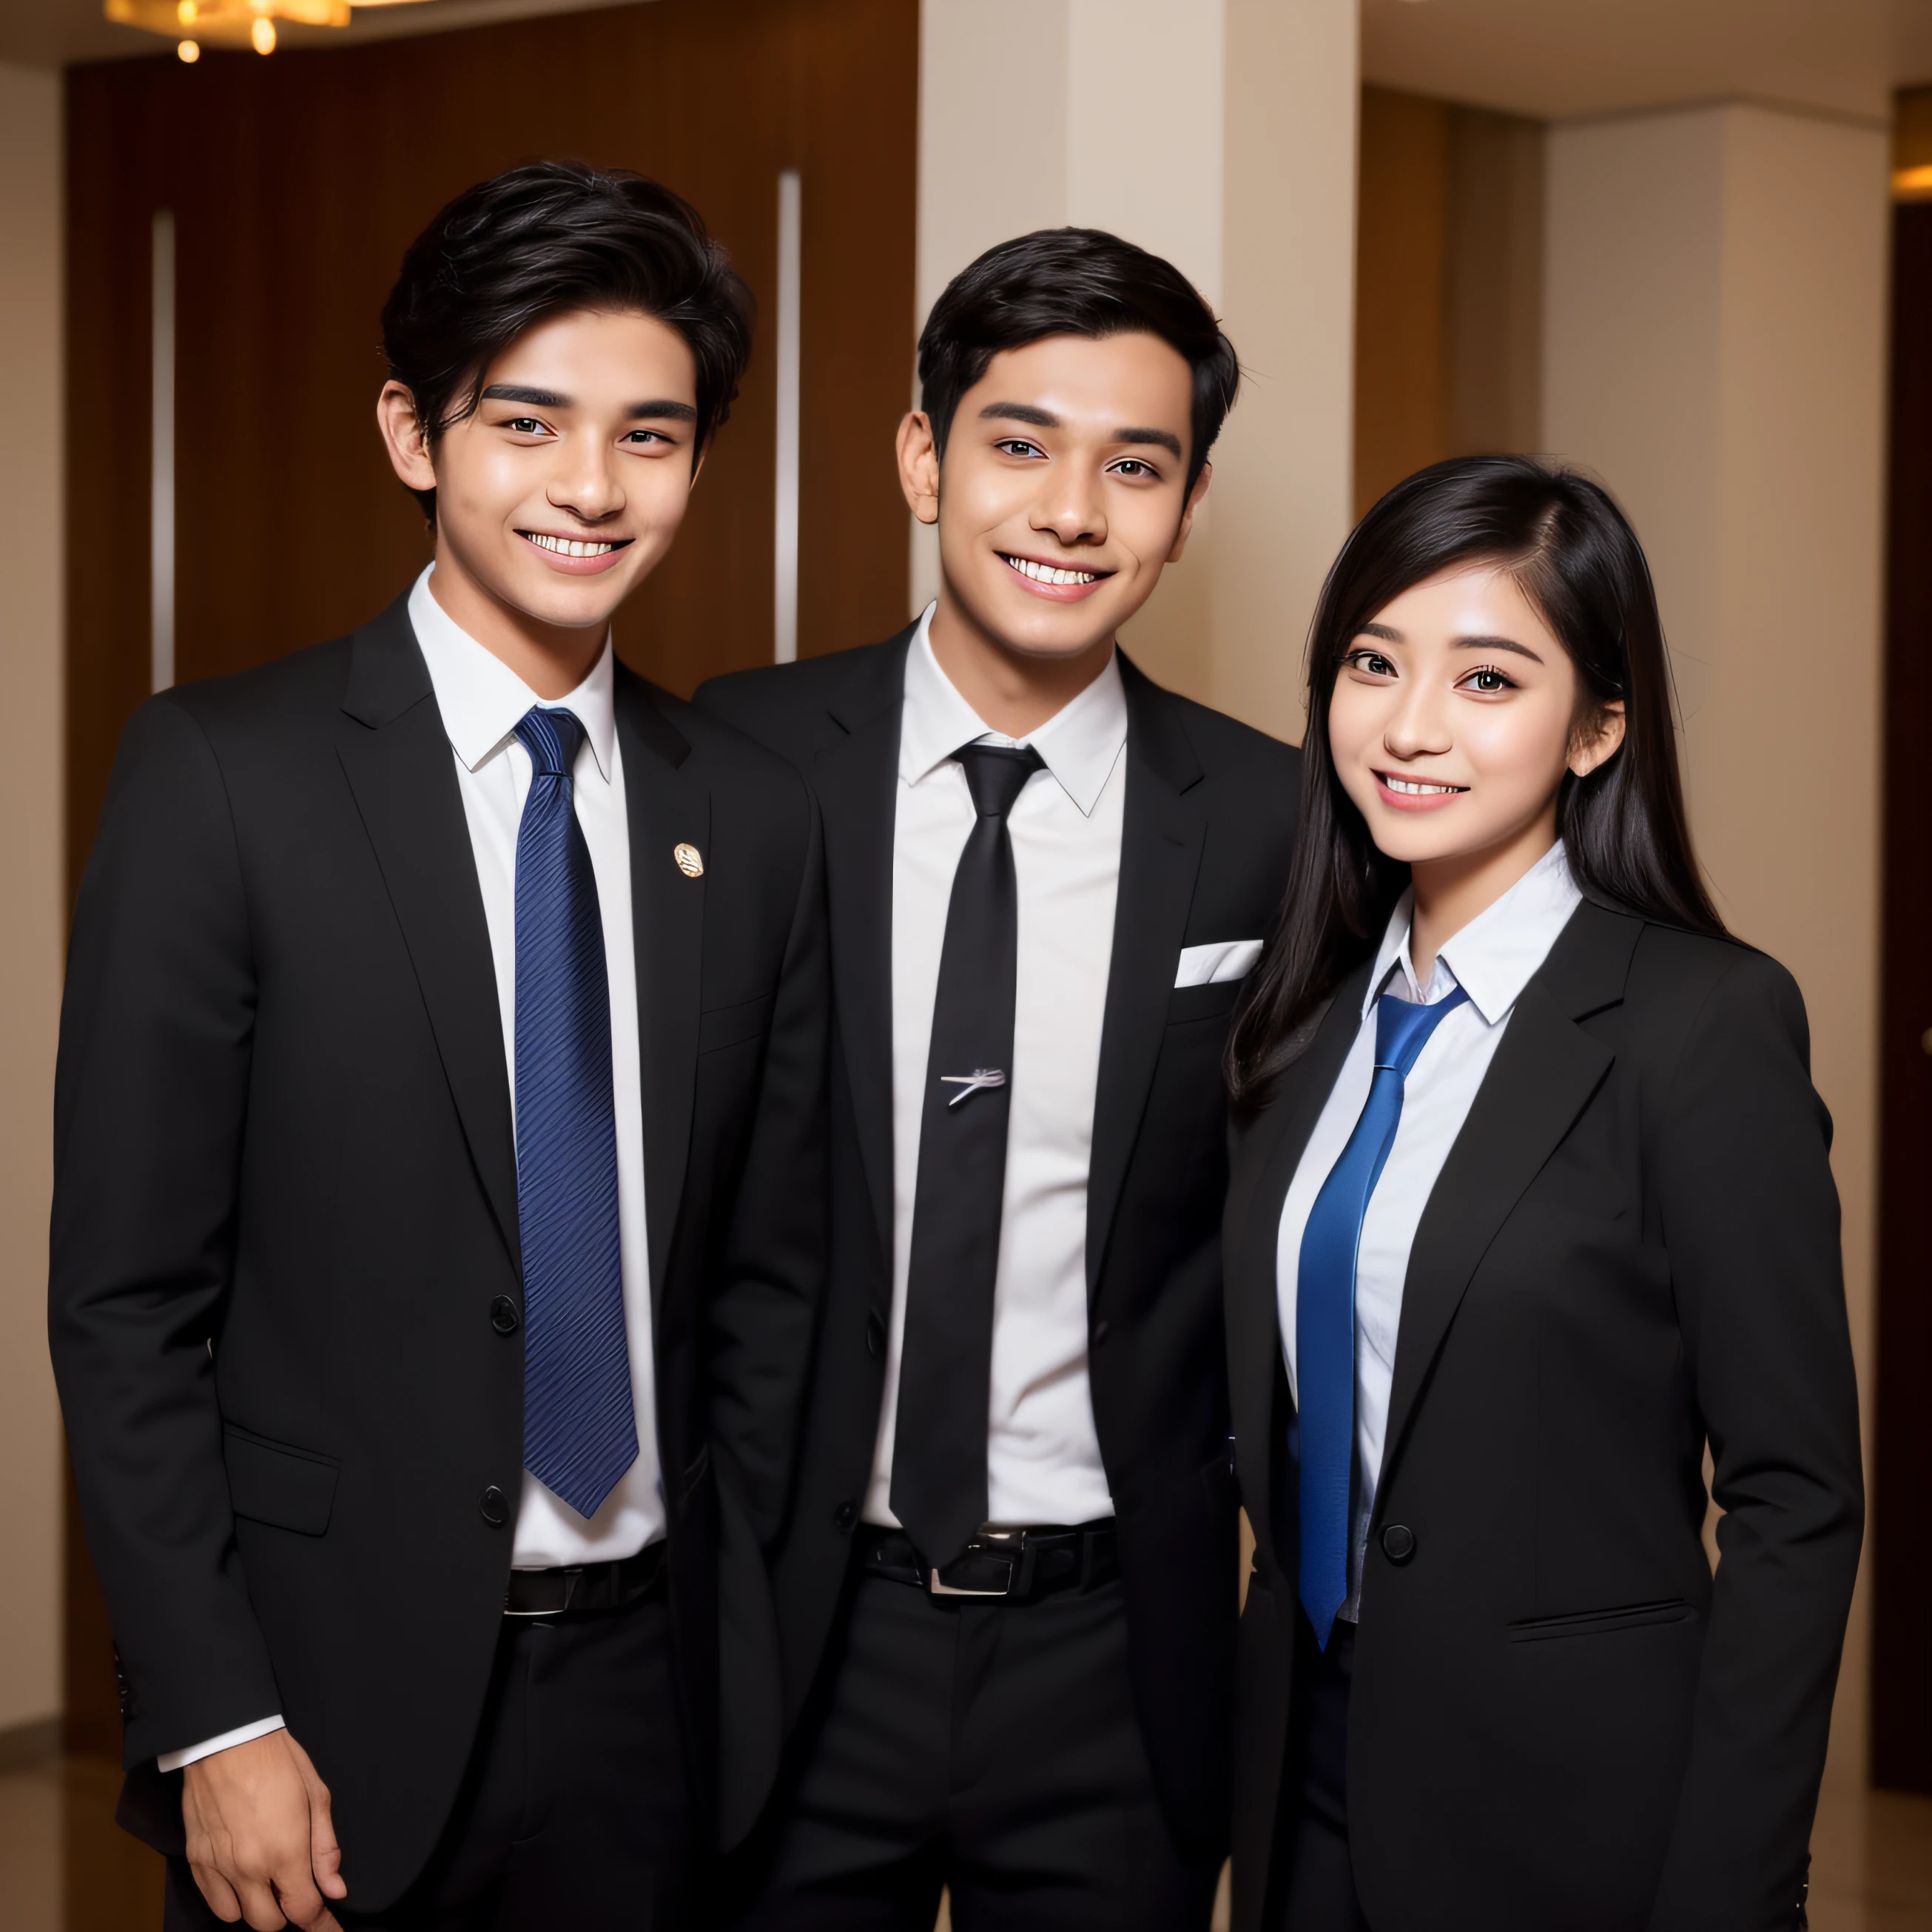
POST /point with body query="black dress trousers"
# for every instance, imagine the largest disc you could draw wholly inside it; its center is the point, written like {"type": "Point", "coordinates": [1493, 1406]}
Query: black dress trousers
{"type": "Point", "coordinates": [575, 1810]}
{"type": "Point", "coordinates": [992, 1748]}
{"type": "Point", "coordinates": [1318, 1875]}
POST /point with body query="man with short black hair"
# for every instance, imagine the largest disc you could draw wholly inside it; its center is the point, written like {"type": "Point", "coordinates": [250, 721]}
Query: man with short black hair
{"type": "Point", "coordinates": [438, 1224]}
{"type": "Point", "coordinates": [1006, 1587]}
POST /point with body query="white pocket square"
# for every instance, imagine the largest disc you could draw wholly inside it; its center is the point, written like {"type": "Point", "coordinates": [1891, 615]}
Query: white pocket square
{"type": "Point", "coordinates": [1210, 965]}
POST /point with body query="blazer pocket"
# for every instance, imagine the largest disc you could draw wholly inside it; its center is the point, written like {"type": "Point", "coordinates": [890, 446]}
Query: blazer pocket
{"type": "Point", "coordinates": [727, 1026]}
{"type": "Point", "coordinates": [272, 1483]}
{"type": "Point", "coordinates": [1203, 1003]}
{"type": "Point", "coordinates": [1601, 1623]}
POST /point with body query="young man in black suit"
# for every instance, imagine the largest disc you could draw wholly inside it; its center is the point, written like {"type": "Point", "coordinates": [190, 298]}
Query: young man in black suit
{"type": "Point", "coordinates": [438, 1227]}
{"type": "Point", "coordinates": [1006, 1588]}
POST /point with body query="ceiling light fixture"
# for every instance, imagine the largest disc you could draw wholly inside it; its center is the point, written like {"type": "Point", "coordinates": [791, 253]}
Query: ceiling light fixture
{"type": "Point", "coordinates": [235, 23]}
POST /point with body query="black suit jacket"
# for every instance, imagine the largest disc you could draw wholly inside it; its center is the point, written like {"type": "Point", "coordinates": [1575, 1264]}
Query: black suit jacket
{"type": "Point", "coordinates": [1210, 817]}
{"type": "Point", "coordinates": [285, 1211]}
{"type": "Point", "coordinates": [1557, 1719]}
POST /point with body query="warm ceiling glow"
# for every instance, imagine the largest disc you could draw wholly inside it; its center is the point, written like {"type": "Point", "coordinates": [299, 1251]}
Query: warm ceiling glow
{"type": "Point", "coordinates": [1911, 184]}
{"type": "Point", "coordinates": [235, 23]}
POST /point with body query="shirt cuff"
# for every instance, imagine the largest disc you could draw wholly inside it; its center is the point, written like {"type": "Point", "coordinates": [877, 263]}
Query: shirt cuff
{"type": "Point", "coordinates": [242, 1734]}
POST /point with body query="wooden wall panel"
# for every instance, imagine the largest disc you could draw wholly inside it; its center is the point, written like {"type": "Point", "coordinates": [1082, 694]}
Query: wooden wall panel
{"type": "Point", "coordinates": [1448, 286]}
{"type": "Point", "coordinates": [296, 182]}
{"type": "Point", "coordinates": [1901, 1502]}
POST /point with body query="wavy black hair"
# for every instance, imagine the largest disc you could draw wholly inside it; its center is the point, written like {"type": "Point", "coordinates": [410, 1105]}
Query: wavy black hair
{"type": "Point", "coordinates": [545, 240]}
{"type": "Point", "coordinates": [1576, 558]}
{"type": "Point", "coordinates": [1072, 281]}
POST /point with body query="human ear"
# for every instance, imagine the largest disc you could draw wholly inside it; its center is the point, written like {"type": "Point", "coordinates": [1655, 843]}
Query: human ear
{"type": "Point", "coordinates": [1606, 735]}
{"type": "Point", "coordinates": [918, 466]}
{"type": "Point", "coordinates": [1194, 497]}
{"type": "Point", "coordinates": [404, 436]}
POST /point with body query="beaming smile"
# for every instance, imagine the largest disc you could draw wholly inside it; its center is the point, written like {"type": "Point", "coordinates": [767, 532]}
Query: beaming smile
{"type": "Point", "coordinates": [1416, 794]}
{"type": "Point", "coordinates": [577, 556]}
{"type": "Point", "coordinates": [1053, 580]}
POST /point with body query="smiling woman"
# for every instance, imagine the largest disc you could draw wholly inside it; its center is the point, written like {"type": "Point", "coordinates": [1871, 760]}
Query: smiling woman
{"type": "Point", "coordinates": [1493, 561]}
{"type": "Point", "coordinates": [1529, 1202]}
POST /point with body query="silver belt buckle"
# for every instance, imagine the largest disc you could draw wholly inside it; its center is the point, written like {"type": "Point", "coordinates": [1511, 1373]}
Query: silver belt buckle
{"type": "Point", "coordinates": [1009, 1545]}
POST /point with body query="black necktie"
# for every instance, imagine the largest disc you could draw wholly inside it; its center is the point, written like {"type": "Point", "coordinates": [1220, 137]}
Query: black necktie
{"type": "Point", "coordinates": [939, 1448]}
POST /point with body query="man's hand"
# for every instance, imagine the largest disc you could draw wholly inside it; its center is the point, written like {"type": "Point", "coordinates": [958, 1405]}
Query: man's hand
{"type": "Point", "coordinates": [259, 1837]}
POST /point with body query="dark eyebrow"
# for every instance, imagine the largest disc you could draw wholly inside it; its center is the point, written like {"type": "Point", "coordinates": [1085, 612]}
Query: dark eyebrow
{"type": "Point", "coordinates": [664, 410]}
{"type": "Point", "coordinates": [1029, 412]}
{"type": "Point", "coordinates": [1161, 439]}
{"type": "Point", "coordinates": [1389, 634]}
{"type": "Point", "coordinates": [1495, 644]}
{"type": "Point", "coordinates": [660, 409]}
{"type": "Point", "coordinates": [1024, 413]}
{"type": "Point", "coordinates": [538, 399]}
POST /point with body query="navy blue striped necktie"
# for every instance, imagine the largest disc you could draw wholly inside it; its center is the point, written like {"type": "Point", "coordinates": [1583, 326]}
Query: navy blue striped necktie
{"type": "Point", "coordinates": [580, 1424]}
{"type": "Point", "coordinates": [1324, 1309]}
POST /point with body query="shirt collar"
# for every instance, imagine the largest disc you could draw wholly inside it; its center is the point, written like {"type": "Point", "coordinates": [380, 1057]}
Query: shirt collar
{"type": "Point", "coordinates": [1496, 955]}
{"type": "Point", "coordinates": [1080, 744]}
{"type": "Point", "coordinates": [483, 700]}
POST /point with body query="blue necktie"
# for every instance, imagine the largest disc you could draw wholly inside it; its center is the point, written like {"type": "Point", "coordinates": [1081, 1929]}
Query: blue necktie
{"type": "Point", "coordinates": [579, 1426]}
{"type": "Point", "coordinates": [1324, 1309]}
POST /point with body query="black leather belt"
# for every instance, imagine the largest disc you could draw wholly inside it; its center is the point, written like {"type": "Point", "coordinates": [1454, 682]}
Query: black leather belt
{"type": "Point", "coordinates": [588, 1586]}
{"type": "Point", "coordinates": [1015, 1565]}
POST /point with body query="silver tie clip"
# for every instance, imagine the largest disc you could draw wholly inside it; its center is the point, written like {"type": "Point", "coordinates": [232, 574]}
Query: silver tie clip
{"type": "Point", "coordinates": [971, 1083]}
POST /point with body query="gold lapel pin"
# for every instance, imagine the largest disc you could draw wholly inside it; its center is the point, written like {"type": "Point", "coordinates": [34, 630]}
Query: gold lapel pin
{"type": "Point", "coordinates": [690, 861]}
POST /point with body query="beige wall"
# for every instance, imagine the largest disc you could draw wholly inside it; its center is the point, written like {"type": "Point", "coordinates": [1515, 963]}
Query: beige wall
{"type": "Point", "coordinates": [31, 887]}
{"type": "Point", "coordinates": [1221, 134]}
{"type": "Point", "coordinates": [1715, 290]}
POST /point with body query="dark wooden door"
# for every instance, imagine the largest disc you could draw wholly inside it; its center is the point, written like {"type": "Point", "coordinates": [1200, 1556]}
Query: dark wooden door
{"type": "Point", "coordinates": [295, 183]}
{"type": "Point", "coordinates": [1901, 1517]}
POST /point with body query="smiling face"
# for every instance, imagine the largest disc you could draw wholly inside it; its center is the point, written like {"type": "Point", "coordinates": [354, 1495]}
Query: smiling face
{"type": "Point", "coordinates": [1453, 720]}
{"type": "Point", "coordinates": [1062, 495]}
{"type": "Point", "coordinates": [563, 490]}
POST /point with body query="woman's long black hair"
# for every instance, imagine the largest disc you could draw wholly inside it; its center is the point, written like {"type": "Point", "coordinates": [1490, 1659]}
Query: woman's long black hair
{"type": "Point", "coordinates": [1577, 560]}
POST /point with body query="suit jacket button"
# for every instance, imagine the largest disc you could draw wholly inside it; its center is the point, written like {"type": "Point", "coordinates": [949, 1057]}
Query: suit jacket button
{"type": "Point", "coordinates": [875, 1335]}
{"type": "Point", "coordinates": [496, 1507]}
{"type": "Point", "coordinates": [846, 1514]}
{"type": "Point", "coordinates": [1398, 1543]}
{"type": "Point", "coordinates": [503, 1316]}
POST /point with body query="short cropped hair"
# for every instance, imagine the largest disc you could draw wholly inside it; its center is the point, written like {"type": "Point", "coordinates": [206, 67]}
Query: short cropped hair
{"type": "Point", "coordinates": [1072, 281]}
{"type": "Point", "coordinates": [550, 239]}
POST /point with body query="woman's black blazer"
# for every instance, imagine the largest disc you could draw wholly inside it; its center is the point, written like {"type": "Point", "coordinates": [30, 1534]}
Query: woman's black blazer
{"type": "Point", "coordinates": [1559, 1718]}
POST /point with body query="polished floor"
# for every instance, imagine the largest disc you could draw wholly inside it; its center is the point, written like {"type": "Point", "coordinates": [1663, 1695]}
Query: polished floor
{"type": "Point", "coordinates": [65, 1868]}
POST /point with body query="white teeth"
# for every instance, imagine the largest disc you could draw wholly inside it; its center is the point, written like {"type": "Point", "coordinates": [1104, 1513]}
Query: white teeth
{"type": "Point", "coordinates": [1411, 789]}
{"type": "Point", "coordinates": [564, 547]}
{"type": "Point", "coordinates": [1045, 573]}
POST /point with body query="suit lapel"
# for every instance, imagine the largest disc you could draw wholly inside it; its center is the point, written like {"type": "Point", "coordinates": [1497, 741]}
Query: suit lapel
{"type": "Point", "coordinates": [1263, 1167]}
{"type": "Point", "coordinates": [666, 804]}
{"type": "Point", "coordinates": [1544, 1073]}
{"type": "Point", "coordinates": [401, 770]}
{"type": "Point", "coordinates": [1164, 826]}
{"type": "Point", "coordinates": [856, 777]}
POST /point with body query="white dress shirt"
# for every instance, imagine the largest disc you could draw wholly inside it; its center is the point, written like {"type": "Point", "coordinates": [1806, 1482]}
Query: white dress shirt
{"type": "Point", "coordinates": [482, 701]}
{"type": "Point", "coordinates": [1042, 1450]}
{"type": "Point", "coordinates": [1493, 958]}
